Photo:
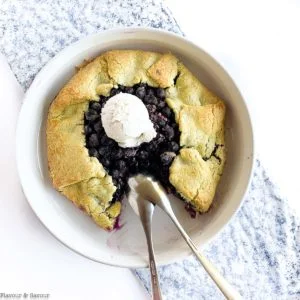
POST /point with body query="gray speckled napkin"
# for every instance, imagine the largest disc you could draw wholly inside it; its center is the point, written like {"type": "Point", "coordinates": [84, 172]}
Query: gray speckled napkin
{"type": "Point", "coordinates": [259, 252]}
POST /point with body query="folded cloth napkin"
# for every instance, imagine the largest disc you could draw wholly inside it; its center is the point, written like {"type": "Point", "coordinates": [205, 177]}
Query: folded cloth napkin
{"type": "Point", "coordinates": [259, 251]}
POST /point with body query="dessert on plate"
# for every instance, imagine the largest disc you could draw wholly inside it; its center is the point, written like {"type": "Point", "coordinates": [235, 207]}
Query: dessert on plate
{"type": "Point", "coordinates": [129, 112]}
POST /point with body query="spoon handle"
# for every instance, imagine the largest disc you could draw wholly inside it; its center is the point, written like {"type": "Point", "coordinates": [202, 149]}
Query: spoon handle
{"type": "Point", "coordinates": [146, 213]}
{"type": "Point", "coordinates": [228, 291]}
{"type": "Point", "coordinates": [156, 294]}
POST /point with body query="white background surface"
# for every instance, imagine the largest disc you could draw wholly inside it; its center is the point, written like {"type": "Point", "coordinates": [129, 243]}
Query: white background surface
{"type": "Point", "coordinates": [258, 44]}
{"type": "Point", "coordinates": [31, 259]}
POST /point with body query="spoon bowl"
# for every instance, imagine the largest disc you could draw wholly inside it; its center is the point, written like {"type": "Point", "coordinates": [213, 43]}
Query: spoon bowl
{"type": "Point", "coordinates": [146, 187]}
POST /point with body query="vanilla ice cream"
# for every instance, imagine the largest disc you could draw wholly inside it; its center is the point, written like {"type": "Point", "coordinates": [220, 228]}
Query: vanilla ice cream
{"type": "Point", "coordinates": [126, 120]}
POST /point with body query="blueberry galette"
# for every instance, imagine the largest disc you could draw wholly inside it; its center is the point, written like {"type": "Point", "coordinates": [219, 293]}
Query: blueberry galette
{"type": "Point", "coordinates": [129, 112]}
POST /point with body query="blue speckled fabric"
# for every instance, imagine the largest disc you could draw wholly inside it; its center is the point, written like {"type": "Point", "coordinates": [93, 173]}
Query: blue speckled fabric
{"type": "Point", "coordinates": [259, 251]}
{"type": "Point", "coordinates": [33, 31]}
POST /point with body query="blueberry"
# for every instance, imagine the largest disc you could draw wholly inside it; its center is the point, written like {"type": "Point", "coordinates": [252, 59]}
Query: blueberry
{"type": "Point", "coordinates": [120, 181]}
{"type": "Point", "coordinates": [140, 92]}
{"type": "Point", "coordinates": [174, 125]}
{"type": "Point", "coordinates": [161, 104]}
{"type": "Point", "coordinates": [93, 141]}
{"type": "Point", "coordinates": [161, 122]}
{"type": "Point", "coordinates": [96, 106]}
{"type": "Point", "coordinates": [132, 161]}
{"type": "Point", "coordinates": [143, 155]}
{"type": "Point", "coordinates": [91, 115]}
{"type": "Point", "coordinates": [87, 130]}
{"type": "Point", "coordinates": [105, 140]}
{"type": "Point", "coordinates": [154, 119]}
{"type": "Point", "coordinates": [129, 152]}
{"type": "Point", "coordinates": [143, 84]}
{"type": "Point", "coordinates": [110, 142]}
{"type": "Point", "coordinates": [103, 151]}
{"type": "Point", "coordinates": [134, 165]}
{"type": "Point", "coordinates": [150, 99]}
{"type": "Point", "coordinates": [115, 174]}
{"type": "Point", "coordinates": [117, 195]}
{"type": "Point", "coordinates": [105, 162]}
{"type": "Point", "coordinates": [166, 111]}
{"type": "Point", "coordinates": [173, 146]}
{"type": "Point", "coordinates": [98, 126]}
{"type": "Point", "coordinates": [154, 100]}
{"type": "Point", "coordinates": [150, 92]}
{"type": "Point", "coordinates": [156, 127]}
{"type": "Point", "coordinates": [129, 90]}
{"type": "Point", "coordinates": [169, 132]}
{"type": "Point", "coordinates": [93, 152]}
{"type": "Point", "coordinates": [160, 139]}
{"type": "Point", "coordinates": [160, 93]}
{"type": "Point", "coordinates": [121, 165]}
{"type": "Point", "coordinates": [146, 99]}
{"type": "Point", "coordinates": [151, 108]}
{"type": "Point", "coordinates": [103, 100]}
{"type": "Point", "coordinates": [166, 158]}
{"type": "Point", "coordinates": [162, 116]}
{"type": "Point", "coordinates": [151, 147]}
{"type": "Point", "coordinates": [118, 154]}
{"type": "Point", "coordinates": [113, 150]}
{"type": "Point", "coordinates": [114, 92]}
{"type": "Point", "coordinates": [121, 88]}
{"type": "Point", "coordinates": [145, 164]}
{"type": "Point", "coordinates": [93, 112]}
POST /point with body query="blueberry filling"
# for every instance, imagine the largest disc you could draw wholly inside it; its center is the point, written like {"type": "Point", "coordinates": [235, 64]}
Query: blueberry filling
{"type": "Point", "coordinates": [190, 210]}
{"type": "Point", "coordinates": [153, 158]}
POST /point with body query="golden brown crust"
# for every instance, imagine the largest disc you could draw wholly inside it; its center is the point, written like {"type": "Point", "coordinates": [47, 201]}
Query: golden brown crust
{"type": "Point", "coordinates": [82, 87]}
{"type": "Point", "coordinates": [188, 90]}
{"type": "Point", "coordinates": [195, 172]}
{"type": "Point", "coordinates": [83, 179]}
{"type": "Point", "coordinates": [68, 158]}
{"type": "Point", "coordinates": [202, 127]}
{"type": "Point", "coordinates": [94, 196]}
{"type": "Point", "coordinates": [70, 165]}
{"type": "Point", "coordinates": [198, 178]}
{"type": "Point", "coordinates": [127, 67]}
{"type": "Point", "coordinates": [164, 70]}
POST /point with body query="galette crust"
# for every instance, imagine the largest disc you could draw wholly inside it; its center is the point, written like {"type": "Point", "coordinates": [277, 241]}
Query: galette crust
{"type": "Point", "coordinates": [194, 173]}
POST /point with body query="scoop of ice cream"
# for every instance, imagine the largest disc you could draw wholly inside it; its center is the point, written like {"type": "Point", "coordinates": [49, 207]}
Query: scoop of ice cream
{"type": "Point", "coordinates": [126, 120]}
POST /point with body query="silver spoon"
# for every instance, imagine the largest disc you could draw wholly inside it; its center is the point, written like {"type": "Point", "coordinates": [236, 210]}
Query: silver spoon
{"type": "Point", "coordinates": [144, 209]}
{"type": "Point", "coordinates": [147, 188]}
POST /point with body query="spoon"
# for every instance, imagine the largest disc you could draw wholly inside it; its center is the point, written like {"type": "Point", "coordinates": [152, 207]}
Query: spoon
{"type": "Point", "coordinates": [147, 188]}
{"type": "Point", "coordinates": [144, 209]}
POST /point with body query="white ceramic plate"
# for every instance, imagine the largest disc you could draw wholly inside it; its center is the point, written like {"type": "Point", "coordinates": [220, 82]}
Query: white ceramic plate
{"type": "Point", "coordinates": [127, 246]}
